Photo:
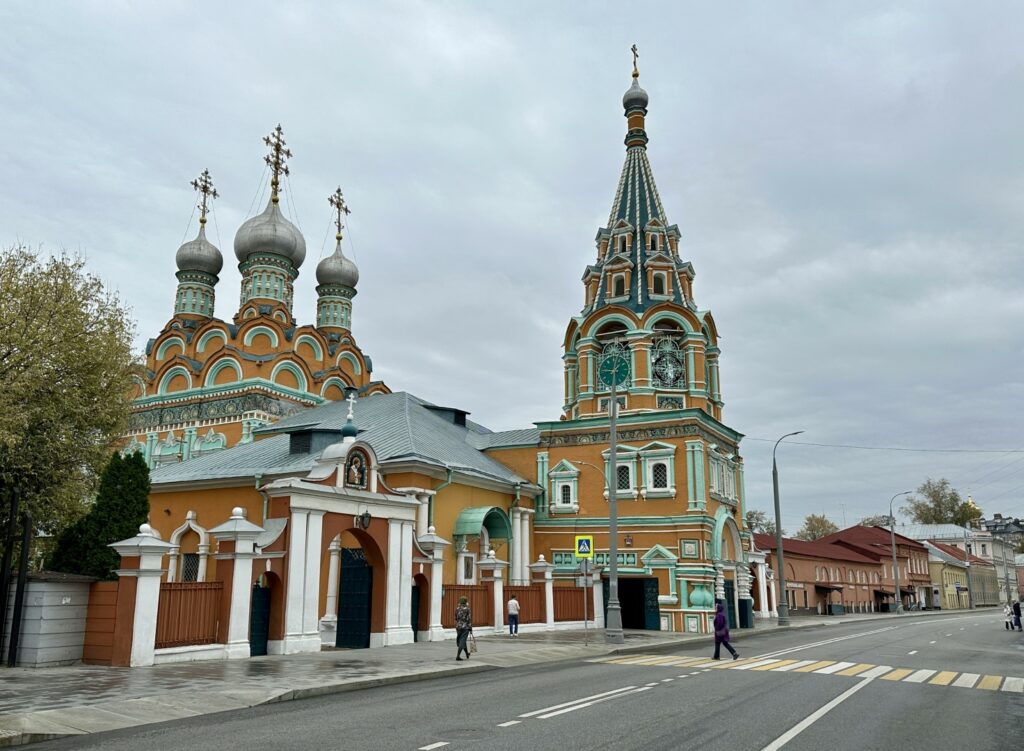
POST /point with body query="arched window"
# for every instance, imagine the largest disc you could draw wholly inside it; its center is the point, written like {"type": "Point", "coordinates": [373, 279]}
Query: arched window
{"type": "Point", "coordinates": [567, 494]}
{"type": "Point", "coordinates": [622, 244]}
{"type": "Point", "coordinates": [612, 335]}
{"type": "Point", "coordinates": [659, 284]}
{"type": "Point", "coordinates": [619, 286]}
{"type": "Point", "coordinates": [623, 474]}
{"type": "Point", "coordinates": [667, 356]}
{"type": "Point", "coordinates": [655, 244]}
{"type": "Point", "coordinates": [659, 476]}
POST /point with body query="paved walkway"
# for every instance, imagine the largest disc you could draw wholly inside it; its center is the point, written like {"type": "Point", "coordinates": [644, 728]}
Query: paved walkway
{"type": "Point", "coordinates": [38, 704]}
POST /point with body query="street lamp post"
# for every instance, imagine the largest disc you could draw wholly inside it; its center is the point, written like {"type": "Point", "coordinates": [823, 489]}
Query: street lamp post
{"type": "Point", "coordinates": [892, 540]}
{"type": "Point", "coordinates": [613, 619]}
{"type": "Point", "coordinates": [782, 596]}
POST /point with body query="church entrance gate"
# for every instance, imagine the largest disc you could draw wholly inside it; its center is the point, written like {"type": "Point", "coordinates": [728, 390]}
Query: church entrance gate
{"type": "Point", "coordinates": [354, 596]}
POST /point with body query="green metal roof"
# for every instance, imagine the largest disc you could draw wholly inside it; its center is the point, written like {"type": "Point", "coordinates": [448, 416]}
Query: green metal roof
{"type": "Point", "coordinates": [494, 519]}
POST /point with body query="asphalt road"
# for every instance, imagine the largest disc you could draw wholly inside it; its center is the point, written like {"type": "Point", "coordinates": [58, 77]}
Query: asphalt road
{"type": "Point", "coordinates": [952, 693]}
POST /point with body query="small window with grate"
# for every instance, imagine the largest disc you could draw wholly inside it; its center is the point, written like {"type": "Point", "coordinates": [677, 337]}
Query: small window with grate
{"type": "Point", "coordinates": [566, 492]}
{"type": "Point", "coordinates": [659, 476]}
{"type": "Point", "coordinates": [623, 477]}
{"type": "Point", "coordinates": [190, 567]}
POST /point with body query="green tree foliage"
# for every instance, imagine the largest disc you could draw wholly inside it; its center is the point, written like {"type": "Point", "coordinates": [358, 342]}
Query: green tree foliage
{"type": "Point", "coordinates": [122, 504]}
{"type": "Point", "coordinates": [937, 502]}
{"type": "Point", "coordinates": [816, 526]}
{"type": "Point", "coordinates": [758, 521]}
{"type": "Point", "coordinates": [66, 366]}
{"type": "Point", "coordinates": [881, 520]}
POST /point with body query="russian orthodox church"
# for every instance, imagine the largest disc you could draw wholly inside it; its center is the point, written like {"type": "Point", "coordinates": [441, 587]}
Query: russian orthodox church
{"type": "Point", "coordinates": [434, 498]}
{"type": "Point", "coordinates": [207, 384]}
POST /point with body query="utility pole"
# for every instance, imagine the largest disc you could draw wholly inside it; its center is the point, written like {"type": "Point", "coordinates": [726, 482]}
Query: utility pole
{"type": "Point", "coordinates": [1006, 571]}
{"type": "Point", "coordinates": [967, 560]}
{"type": "Point", "coordinates": [613, 624]}
{"type": "Point", "coordinates": [895, 566]}
{"type": "Point", "coordinates": [782, 596]}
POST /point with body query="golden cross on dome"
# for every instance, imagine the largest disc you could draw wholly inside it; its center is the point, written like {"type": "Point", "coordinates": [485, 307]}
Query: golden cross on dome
{"type": "Point", "coordinates": [337, 200]}
{"type": "Point", "coordinates": [204, 186]}
{"type": "Point", "coordinates": [636, 73]}
{"type": "Point", "coordinates": [276, 159]}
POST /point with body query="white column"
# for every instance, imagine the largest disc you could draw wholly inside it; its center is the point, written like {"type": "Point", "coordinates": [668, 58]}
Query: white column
{"type": "Point", "coordinates": [774, 598]}
{"type": "Point", "coordinates": [434, 546]}
{"type": "Point", "coordinates": [395, 631]}
{"type": "Point", "coordinates": [515, 551]}
{"type": "Point", "coordinates": [499, 602]}
{"type": "Point", "coordinates": [311, 582]}
{"type": "Point", "coordinates": [422, 514]}
{"type": "Point", "coordinates": [405, 611]}
{"type": "Point", "coordinates": [762, 590]}
{"type": "Point", "coordinates": [598, 589]}
{"type": "Point", "coordinates": [541, 571]}
{"type": "Point", "coordinates": [329, 622]}
{"type": "Point", "coordinates": [150, 551]}
{"type": "Point", "coordinates": [172, 563]}
{"type": "Point", "coordinates": [719, 582]}
{"type": "Point", "coordinates": [204, 554]}
{"type": "Point", "coordinates": [295, 585]}
{"type": "Point", "coordinates": [524, 571]}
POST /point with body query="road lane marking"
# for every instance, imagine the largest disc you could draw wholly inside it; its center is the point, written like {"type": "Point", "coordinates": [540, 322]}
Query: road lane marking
{"type": "Point", "coordinates": [695, 672]}
{"type": "Point", "coordinates": [794, 666]}
{"type": "Point", "coordinates": [949, 634]}
{"type": "Point", "coordinates": [738, 663]}
{"type": "Point", "coordinates": [757, 664]}
{"type": "Point", "coordinates": [781, 652]}
{"type": "Point", "coordinates": [812, 718]}
{"type": "Point", "coordinates": [814, 666]}
{"type": "Point", "coordinates": [912, 652]}
{"type": "Point", "coordinates": [432, 746]}
{"type": "Point", "coordinates": [860, 668]}
{"type": "Point", "coordinates": [834, 668]}
{"type": "Point", "coordinates": [1014, 684]}
{"type": "Point", "coordinates": [508, 724]}
{"type": "Point", "coordinates": [920, 676]}
{"type": "Point", "coordinates": [990, 682]}
{"type": "Point", "coordinates": [776, 665]}
{"type": "Point", "coordinates": [943, 679]}
{"type": "Point", "coordinates": [574, 707]}
{"type": "Point", "coordinates": [897, 675]}
{"type": "Point", "coordinates": [966, 680]}
{"type": "Point", "coordinates": [877, 672]}
{"type": "Point", "coordinates": [577, 701]}
{"type": "Point", "coordinates": [666, 680]}
{"type": "Point", "coordinates": [650, 685]}
{"type": "Point", "coordinates": [931, 642]}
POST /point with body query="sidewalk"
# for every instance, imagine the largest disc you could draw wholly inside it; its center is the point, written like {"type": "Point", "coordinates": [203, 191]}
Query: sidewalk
{"type": "Point", "coordinates": [40, 704]}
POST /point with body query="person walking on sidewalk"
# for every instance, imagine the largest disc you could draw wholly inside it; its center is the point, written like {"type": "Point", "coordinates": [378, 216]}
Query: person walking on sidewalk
{"type": "Point", "coordinates": [513, 616]}
{"type": "Point", "coordinates": [1016, 616]}
{"type": "Point", "coordinates": [463, 628]}
{"type": "Point", "coordinates": [722, 633]}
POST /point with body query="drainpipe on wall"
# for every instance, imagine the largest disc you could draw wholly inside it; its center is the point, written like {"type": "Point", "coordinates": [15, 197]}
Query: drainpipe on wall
{"type": "Point", "coordinates": [266, 501]}
{"type": "Point", "coordinates": [438, 489]}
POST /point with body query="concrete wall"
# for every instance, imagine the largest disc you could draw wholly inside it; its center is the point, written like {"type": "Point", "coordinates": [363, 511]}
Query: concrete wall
{"type": "Point", "coordinates": [53, 621]}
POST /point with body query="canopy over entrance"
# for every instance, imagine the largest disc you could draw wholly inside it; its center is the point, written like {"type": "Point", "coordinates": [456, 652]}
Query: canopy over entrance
{"type": "Point", "coordinates": [471, 520]}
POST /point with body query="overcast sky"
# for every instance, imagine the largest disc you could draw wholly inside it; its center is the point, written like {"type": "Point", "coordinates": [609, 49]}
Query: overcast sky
{"type": "Point", "coordinates": [848, 180]}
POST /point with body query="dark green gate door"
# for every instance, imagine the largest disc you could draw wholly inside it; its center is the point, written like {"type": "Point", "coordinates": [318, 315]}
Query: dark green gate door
{"type": "Point", "coordinates": [259, 621]}
{"type": "Point", "coordinates": [652, 613]}
{"type": "Point", "coordinates": [355, 588]}
{"type": "Point", "coordinates": [730, 603]}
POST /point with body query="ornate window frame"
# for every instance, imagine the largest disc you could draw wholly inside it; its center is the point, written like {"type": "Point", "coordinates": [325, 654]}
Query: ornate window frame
{"type": "Point", "coordinates": [657, 453]}
{"type": "Point", "coordinates": [626, 456]}
{"type": "Point", "coordinates": [564, 474]}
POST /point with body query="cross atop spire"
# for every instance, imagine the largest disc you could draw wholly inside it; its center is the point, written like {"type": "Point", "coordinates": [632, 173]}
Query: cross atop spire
{"type": "Point", "coordinates": [204, 186]}
{"type": "Point", "coordinates": [337, 200]}
{"type": "Point", "coordinates": [276, 159]}
{"type": "Point", "coordinates": [636, 72]}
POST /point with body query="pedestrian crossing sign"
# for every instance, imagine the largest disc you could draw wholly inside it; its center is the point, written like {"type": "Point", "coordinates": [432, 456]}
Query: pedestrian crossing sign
{"type": "Point", "coordinates": [584, 546]}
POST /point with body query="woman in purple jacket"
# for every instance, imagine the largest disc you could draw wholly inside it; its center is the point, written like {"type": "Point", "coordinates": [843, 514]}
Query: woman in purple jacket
{"type": "Point", "coordinates": [722, 633]}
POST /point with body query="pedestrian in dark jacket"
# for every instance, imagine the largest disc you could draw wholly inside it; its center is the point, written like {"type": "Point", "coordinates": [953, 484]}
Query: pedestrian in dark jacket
{"type": "Point", "coordinates": [463, 627]}
{"type": "Point", "coordinates": [1016, 616]}
{"type": "Point", "coordinates": [722, 633]}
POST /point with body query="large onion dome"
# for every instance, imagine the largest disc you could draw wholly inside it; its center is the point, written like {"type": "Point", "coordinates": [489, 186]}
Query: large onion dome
{"type": "Point", "coordinates": [336, 269]}
{"type": "Point", "coordinates": [199, 255]}
{"type": "Point", "coordinates": [270, 232]}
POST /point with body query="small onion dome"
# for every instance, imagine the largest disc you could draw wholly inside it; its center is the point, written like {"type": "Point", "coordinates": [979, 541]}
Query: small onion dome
{"type": "Point", "coordinates": [349, 430]}
{"type": "Point", "coordinates": [337, 269]}
{"type": "Point", "coordinates": [270, 232]}
{"type": "Point", "coordinates": [635, 97]}
{"type": "Point", "coordinates": [199, 255]}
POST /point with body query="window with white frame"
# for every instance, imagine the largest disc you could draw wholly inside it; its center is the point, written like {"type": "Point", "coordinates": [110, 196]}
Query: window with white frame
{"type": "Point", "coordinates": [657, 468]}
{"type": "Point", "coordinates": [564, 488]}
{"type": "Point", "coordinates": [659, 476]}
{"type": "Point", "coordinates": [723, 476]}
{"type": "Point", "coordinates": [467, 568]}
{"type": "Point", "coordinates": [624, 477]}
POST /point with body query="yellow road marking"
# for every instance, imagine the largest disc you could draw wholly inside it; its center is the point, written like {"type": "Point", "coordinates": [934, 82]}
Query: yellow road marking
{"type": "Point", "coordinates": [728, 662]}
{"type": "Point", "coordinates": [814, 666]}
{"type": "Point", "coordinates": [855, 669]}
{"type": "Point", "coordinates": [990, 682]}
{"type": "Point", "coordinates": [897, 675]}
{"type": "Point", "coordinates": [943, 679]}
{"type": "Point", "coordinates": [773, 665]}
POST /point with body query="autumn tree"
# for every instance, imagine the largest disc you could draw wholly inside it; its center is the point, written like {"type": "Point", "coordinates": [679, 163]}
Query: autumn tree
{"type": "Point", "coordinates": [816, 526]}
{"type": "Point", "coordinates": [122, 504]}
{"type": "Point", "coordinates": [880, 520]}
{"type": "Point", "coordinates": [758, 521]}
{"type": "Point", "coordinates": [65, 365]}
{"type": "Point", "coordinates": [937, 502]}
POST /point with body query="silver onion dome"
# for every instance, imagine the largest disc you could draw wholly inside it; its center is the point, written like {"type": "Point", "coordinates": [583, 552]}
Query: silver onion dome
{"type": "Point", "coordinates": [199, 255]}
{"type": "Point", "coordinates": [337, 269]}
{"type": "Point", "coordinates": [270, 232]}
{"type": "Point", "coordinates": [635, 97]}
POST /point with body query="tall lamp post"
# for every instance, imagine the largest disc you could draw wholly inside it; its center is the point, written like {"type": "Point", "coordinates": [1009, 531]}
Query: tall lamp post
{"type": "Point", "coordinates": [783, 597]}
{"type": "Point", "coordinates": [892, 540]}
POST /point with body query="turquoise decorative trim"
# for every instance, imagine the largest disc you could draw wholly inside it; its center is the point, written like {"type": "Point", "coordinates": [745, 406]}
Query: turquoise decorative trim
{"type": "Point", "coordinates": [318, 351]}
{"type": "Point", "coordinates": [292, 368]}
{"type": "Point", "coordinates": [251, 334]}
{"type": "Point", "coordinates": [689, 548]}
{"type": "Point", "coordinates": [646, 521]}
{"type": "Point", "coordinates": [542, 475]}
{"type": "Point", "coordinates": [333, 381]}
{"type": "Point", "coordinates": [209, 336]}
{"type": "Point", "coordinates": [166, 379]}
{"type": "Point", "coordinates": [227, 388]}
{"type": "Point", "coordinates": [350, 358]}
{"type": "Point", "coordinates": [161, 352]}
{"type": "Point", "coordinates": [724, 519]}
{"type": "Point", "coordinates": [670, 315]}
{"type": "Point", "coordinates": [645, 418]}
{"type": "Point", "coordinates": [226, 362]}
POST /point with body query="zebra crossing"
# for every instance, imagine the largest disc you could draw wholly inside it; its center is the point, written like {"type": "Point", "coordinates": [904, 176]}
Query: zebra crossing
{"type": "Point", "coordinates": [950, 678]}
